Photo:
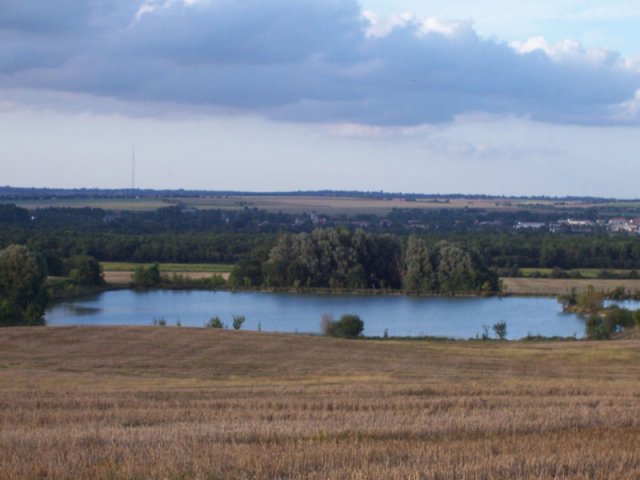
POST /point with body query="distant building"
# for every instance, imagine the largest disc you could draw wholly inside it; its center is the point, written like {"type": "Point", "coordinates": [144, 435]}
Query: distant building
{"type": "Point", "coordinates": [623, 225]}
{"type": "Point", "coordinates": [360, 223]}
{"type": "Point", "coordinates": [529, 225]}
{"type": "Point", "coordinates": [318, 219]}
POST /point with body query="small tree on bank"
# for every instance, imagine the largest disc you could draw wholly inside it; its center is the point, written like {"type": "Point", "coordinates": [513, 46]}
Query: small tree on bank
{"type": "Point", "coordinates": [500, 329]}
{"type": "Point", "coordinates": [145, 277]}
{"type": "Point", "coordinates": [85, 270]}
{"type": "Point", "coordinates": [215, 322]}
{"type": "Point", "coordinates": [22, 290]}
{"type": "Point", "coordinates": [238, 320]}
{"type": "Point", "coordinates": [349, 326]}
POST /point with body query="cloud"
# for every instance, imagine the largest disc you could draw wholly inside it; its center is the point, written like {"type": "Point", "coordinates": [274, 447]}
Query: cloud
{"type": "Point", "coordinates": [308, 61]}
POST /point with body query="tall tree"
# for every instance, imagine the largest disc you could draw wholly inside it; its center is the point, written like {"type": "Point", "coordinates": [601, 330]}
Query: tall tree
{"type": "Point", "coordinates": [419, 275]}
{"type": "Point", "coordinates": [455, 269]}
{"type": "Point", "coordinates": [22, 291]}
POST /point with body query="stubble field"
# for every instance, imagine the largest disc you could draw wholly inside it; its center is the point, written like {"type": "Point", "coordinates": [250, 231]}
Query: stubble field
{"type": "Point", "coordinates": [561, 286]}
{"type": "Point", "coordinates": [171, 403]}
{"type": "Point", "coordinates": [328, 205]}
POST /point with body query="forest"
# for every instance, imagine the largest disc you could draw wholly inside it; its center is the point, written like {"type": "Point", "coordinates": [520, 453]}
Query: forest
{"type": "Point", "coordinates": [216, 236]}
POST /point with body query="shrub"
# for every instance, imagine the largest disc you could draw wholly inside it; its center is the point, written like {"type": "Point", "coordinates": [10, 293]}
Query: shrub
{"type": "Point", "coordinates": [570, 299]}
{"type": "Point", "coordinates": [215, 322]}
{"type": "Point", "coordinates": [485, 332]}
{"type": "Point", "coordinates": [146, 276]}
{"type": "Point", "coordinates": [238, 320]}
{"type": "Point", "coordinates": [559, 273]}
{"type": "Point", "coordinates": [326, 322]}
{"type": "Point", "coordinates": [597, 328]}
{"type": "Point", "coordinates": [618, 293]}
{"type": "Point", "coordinates": [349, 326]}
{"type": "Point", "coordinates": [590, 300]}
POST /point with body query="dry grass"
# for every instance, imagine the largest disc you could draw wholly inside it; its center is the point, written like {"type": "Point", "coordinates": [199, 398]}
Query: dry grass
{"type": "Point", "coordinates": [560, 286]}
{"type": "Point", "coordinates": [122, 272]}
{"type": "Point", "coordinates": [169, 267]}
{"type": "Point", "coordinates": [124, 403]}
{"type": "Point", "coordinates": [124, 277]}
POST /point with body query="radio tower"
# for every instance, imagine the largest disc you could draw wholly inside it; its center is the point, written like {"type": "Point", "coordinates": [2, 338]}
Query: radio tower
{"type": "Point", "coordinates": [133, 168]}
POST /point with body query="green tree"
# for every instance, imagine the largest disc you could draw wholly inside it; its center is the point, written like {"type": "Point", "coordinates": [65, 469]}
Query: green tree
{"type": "Point", "coordinates": [500, 329]}
{"type": "Point", "coordinates": [419, 276]}
{"type": "Point", "coordinates": [598, 328]}
{"type": "Point", "coordinates": [146, 277]}
{"type": "Point", "coordinates": [349, 326]}
{"type": "Point", "coordinates": [85, 270]}
{"type": "Point", "coordinates": [22, 291]}
{"type": "Point", "coordinates": [455, 269]}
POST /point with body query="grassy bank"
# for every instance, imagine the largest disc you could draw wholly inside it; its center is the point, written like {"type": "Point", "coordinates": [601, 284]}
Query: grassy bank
{"type": "Point", "coordinates": [186, 403]}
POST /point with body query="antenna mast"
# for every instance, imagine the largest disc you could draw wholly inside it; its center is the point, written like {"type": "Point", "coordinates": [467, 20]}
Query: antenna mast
{"type": "Point", "coordinates": [133, 167]}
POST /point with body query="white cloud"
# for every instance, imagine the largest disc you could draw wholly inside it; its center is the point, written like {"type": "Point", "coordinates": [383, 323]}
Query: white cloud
{"type": "Point", "coordinates": [567, 51]}
{"type": "Point", "coordinates": [381, 27]}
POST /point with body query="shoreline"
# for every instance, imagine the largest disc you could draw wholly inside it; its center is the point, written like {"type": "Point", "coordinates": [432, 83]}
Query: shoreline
{"type": "Point", "coordinates": [83, 292]}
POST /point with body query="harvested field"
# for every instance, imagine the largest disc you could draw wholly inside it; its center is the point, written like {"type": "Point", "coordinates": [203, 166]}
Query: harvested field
{"type": "Point", "coordinates": [299, 204]}
{"type": "Point", "coordinates": [116, 204]}
{"type": "Point", "coordinates": [125, 277]}
{"type": "Point", "coordinates": [583, 272]}
{"type": "Point", "coordinates": [560, 286]}
{"type": "Point", "coordinates": [122, 272]}
{"type": "Point", "coordinates": [200, 403]}
{"type": "Point", "coordinates": [169, 267]}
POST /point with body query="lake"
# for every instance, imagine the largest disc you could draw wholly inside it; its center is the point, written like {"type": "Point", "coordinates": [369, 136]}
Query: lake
{"type": "Point", "coordinates": [457, 317]}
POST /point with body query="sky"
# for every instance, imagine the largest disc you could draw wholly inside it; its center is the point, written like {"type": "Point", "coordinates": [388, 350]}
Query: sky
{"type": "Point", "coordinates": [485, 97]}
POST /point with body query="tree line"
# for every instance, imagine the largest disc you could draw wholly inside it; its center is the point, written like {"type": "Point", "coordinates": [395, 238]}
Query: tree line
{"type": "Point", "coordinates": [340, 258]}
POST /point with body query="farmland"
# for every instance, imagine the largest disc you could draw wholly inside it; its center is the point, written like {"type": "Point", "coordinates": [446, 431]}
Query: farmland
{"type": "Point", "coordinates": [122, 272]}
{"type": "Point", "coordinates": [119, 204]}
{"type": "Point", "coordinates": [321, 204]}
{"type": "Point", "coordinates": [560, 286]}
{"type": "Point", "coordinates": [182, 403]}
{"type": "Point", "coordinates": [578, 272]}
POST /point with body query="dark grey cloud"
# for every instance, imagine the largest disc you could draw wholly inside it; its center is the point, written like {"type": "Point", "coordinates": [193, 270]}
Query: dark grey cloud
{"type": "Point", "coordinates": [308, 60]}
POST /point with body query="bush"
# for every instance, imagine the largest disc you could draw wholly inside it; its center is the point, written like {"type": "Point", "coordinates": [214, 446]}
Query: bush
{"type": "Point", "coordinates": [177, 280]}
{"type": "Point", "coordinates": [238, 320]}
{"type": "Point", "coordinates": [146, 276]}
{"type": "Point", "coordinates": [591, 300]}
{"type": "Point", "coordinates": [215, 322]}
{"type": "Point", "coordinates": [598, 328]}
{"type": "Point", "coordinates": [349, 326]}
{"type": "Point", "coordinates": [326, 322]}
{"type": "Point", "coordinates": [559, 273]}
{"type": "Point", "coordinates": [618, 293]}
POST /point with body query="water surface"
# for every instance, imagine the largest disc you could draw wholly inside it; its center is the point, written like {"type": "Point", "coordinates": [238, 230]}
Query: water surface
{"type": "Point", "coordinates": [276, 312]}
